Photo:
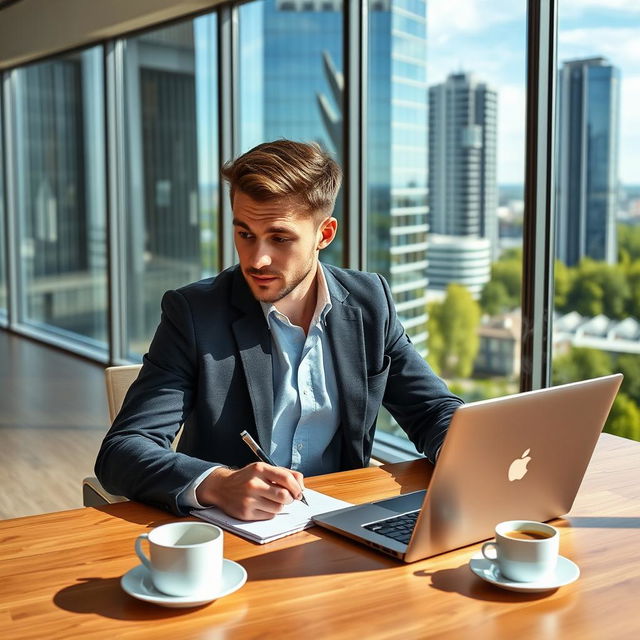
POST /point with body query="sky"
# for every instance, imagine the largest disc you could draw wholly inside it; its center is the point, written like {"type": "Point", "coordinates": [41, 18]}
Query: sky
{"type": "Point", "coordinates": [488, 38]}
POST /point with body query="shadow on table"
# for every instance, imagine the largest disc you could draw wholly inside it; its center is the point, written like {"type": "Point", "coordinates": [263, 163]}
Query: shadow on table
{"type": "Point", "coordinates": [105, 597]}
{"type": "Point", "coordinates": [603, 522]}
{"type": "Point", "coordinates": [137, 513]}
{"type": "Point", "coordinates": [315, 558]}
{"type": "Point", "coordinates": [461, 580]}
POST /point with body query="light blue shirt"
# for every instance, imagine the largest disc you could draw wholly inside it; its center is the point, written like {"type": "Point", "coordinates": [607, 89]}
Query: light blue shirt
{"type": "Point", "coordinates": [305, 392]}
{"type": "Point", "coordinates": [305, 395]}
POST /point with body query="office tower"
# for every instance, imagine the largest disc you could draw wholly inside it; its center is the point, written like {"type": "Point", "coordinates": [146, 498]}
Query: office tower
{"type": "Point", "coordinates": [586, 200]}
{"type": "Point", "coordinates": [303, 85]}
{"type": "Point", "coordinates": [464, 260]}
{"type": "Point", "coordinates": [463, 195]}
{"type": "Point", "coordinates": [397, 157]}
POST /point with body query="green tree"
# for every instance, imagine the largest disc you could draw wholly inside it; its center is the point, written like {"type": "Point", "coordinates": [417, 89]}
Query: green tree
{"type": "Point", "coordinates": [562, 285]}
{"type": "Point", "coordinates": [453, 336]}
{"type": "Point", "coordinates": [598, 287]}
{"type": "Point", "coordinates": [494, 298]}
{"type": "Point", "coordinates": [633, 282]}
{"type": "Point", "coordinates": [624, 419]}
{"type": "Point", "coordinates": [629, 365]}
{"type": "Point", "coordinates": [580, 363]}
{"type": "Point", "coordinates": [585, 296]}
{"type": "Point", "coordinates": [628, 243]}
{"type": "Point", "coordinates": [436, 340]}
{"type": "Point", "coordinates": [509, 274]}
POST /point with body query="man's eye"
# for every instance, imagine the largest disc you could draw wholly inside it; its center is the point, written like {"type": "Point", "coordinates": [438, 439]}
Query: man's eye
{"type": "Point", "coordinates": [280, 239]}
{"type": "Point", "coordinates": [245, 235]}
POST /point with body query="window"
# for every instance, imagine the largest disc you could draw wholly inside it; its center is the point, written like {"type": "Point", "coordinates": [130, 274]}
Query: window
{"type": "Point", "coordinates": [3, 260]}
{"type": "Point", "coordinates": [597, 276]}
{"type": "Point", "coordinates": [172, 170]}
{"type": "Point", "coordinates": [58, 123]}
{"type": "Point", "coordinates": [446, 137]}
{"type": "Point", "coordinates": [291, 80]}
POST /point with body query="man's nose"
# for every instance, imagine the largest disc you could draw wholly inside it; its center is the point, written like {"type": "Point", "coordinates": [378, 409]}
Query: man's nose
{"type": "Point", "coordinates": [261, 258]}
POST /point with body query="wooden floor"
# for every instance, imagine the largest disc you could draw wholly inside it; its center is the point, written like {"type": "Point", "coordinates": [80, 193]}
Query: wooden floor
{"type": "Point", "coordinates": [53, 415]}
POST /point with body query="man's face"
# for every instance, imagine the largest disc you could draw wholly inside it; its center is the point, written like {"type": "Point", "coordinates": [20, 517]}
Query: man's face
{"type": "Point", "coordinates": [278, 244]}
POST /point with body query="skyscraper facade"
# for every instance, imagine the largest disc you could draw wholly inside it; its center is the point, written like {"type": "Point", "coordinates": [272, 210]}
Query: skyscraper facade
{"type": "Point", "coordinates": [301, 97]}
{"type": "Point", "coordinates": [397, 156]}
{"type": "Point", "coordinates": [587, 184]}
{"type": "Point", "coordinates": [463, 194]}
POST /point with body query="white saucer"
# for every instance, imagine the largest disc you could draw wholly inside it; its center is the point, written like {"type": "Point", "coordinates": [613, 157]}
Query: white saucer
{"type": "Point", "coordinates": [566, 572]}
{"type": "Point", "coordinates": [137, 583]}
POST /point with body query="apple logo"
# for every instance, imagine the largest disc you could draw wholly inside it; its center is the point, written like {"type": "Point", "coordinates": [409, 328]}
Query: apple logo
{"type": "Point", "coordinates": [518, 468]}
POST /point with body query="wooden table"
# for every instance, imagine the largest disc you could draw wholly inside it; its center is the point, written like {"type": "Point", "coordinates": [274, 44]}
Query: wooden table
{"type": "Point", "coordinates": [60, 574]}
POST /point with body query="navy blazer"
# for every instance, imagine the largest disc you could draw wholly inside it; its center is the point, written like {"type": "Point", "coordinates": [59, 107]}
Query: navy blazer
{"type": "Point", "coordinates": [209, 367]}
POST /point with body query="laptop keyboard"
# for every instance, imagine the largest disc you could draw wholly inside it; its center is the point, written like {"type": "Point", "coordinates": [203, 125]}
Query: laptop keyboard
{"type": "Point", "coordinates": [398, 528]}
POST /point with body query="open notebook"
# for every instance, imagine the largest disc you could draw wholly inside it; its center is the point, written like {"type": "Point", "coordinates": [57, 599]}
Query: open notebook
{"type": "Point", "coordinates": [295, 517]}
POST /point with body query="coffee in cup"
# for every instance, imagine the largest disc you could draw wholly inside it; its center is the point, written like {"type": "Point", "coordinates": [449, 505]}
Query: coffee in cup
{"type": "Point", "coordinates": [185, 557]}
{"type": "Point", "coordinates": [528, 534]}
{"type": "Point", "coordinates": [524, 550]}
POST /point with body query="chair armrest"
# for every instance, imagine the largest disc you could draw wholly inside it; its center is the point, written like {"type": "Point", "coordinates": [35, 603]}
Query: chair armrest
{"type": "Point", "coordinates": [94, 495]}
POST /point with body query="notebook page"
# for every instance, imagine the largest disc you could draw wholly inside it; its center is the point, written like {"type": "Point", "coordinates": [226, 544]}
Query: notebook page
{"type": "Point", "coordinates": [294, 517]}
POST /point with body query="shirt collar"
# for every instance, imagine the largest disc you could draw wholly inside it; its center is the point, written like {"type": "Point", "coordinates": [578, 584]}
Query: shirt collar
{"type": "Point", "coordinates": [323, 302]}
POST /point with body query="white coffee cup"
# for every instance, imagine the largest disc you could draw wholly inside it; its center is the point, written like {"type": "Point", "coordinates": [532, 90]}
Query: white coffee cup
{"type": "Point", "coordinates": [185, 557]}
{"type": "Point", "coordinates": [525, 550]}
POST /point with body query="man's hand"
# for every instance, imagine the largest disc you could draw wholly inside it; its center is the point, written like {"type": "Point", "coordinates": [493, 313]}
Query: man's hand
{"type": "Point", "coordinates": [255, 492]}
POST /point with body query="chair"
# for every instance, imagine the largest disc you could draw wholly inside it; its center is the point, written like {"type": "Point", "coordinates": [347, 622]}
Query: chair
{"type": "Point", "coordinates": [118, 380]}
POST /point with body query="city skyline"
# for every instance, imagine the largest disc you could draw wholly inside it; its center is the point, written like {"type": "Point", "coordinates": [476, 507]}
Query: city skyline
{"type": "Point", "coordinates": [488, 37]}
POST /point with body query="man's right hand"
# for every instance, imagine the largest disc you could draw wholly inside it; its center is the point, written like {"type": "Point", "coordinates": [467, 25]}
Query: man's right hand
{"type": "Point", "coordinates": [255, 492]}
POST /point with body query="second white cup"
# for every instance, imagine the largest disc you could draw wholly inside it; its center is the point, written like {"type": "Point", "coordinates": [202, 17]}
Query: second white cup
{"type": "Point", "coordinates": [525, 550]}
{"type": "Point", "coordinates": [185, 557]}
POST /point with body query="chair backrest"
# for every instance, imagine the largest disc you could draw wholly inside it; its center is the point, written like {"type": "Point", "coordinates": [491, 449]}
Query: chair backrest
{"type": "Point", "coordinates": [118, 380]}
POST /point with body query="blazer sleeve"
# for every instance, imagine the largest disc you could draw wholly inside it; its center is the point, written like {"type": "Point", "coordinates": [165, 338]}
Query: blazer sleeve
{"type": "Point", "coordinates": [416, 397]}
{"type": "Point", "coordinates": [136, 459]}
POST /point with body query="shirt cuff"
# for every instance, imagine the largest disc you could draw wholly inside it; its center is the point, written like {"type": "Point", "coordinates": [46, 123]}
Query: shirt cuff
{"type": "Point", "coordinates": [188, 495]}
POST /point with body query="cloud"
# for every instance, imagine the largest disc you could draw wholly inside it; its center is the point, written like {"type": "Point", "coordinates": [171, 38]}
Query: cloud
{"type": "Point", "coordinates": [448, 19]}
{"type": "Point", "coordinates": [578, 7]}
{"type": "Point", "coordinates": [621, 45]}
{"type": "Point", "coordinates": [630, 130]}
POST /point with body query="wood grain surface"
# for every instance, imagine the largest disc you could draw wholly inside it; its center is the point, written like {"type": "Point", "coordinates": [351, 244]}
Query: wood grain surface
{"type": "Point", "coordinates": [60, 574]}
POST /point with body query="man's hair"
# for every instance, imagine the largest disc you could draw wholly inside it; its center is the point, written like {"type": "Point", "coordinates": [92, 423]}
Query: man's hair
{"type": "Point", "coordinates": [286, 169]}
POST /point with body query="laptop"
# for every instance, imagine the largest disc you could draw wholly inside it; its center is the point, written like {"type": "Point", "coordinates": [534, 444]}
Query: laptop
{"type": "Point", "coordinates": [519, 457]}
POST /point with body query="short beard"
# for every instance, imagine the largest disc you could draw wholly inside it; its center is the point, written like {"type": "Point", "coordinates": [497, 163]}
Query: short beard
{"type": "Point", "coordinates": [283, 293]}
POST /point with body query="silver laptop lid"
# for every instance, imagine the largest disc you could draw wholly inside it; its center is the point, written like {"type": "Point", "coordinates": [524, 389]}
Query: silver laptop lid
{"type": "Point", "coordinates": [516, 457]}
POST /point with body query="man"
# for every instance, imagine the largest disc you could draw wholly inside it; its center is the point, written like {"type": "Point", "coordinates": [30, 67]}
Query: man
{"type": "Point", "coordinates": [301, 355]}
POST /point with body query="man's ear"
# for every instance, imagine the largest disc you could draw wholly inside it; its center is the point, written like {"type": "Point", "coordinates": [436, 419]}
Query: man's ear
{"type": "Point", "coordinates": [327, 232]}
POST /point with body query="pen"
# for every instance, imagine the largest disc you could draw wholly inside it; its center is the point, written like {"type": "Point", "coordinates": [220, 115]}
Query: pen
{"type": "Point", "coordinates": [261, 455]}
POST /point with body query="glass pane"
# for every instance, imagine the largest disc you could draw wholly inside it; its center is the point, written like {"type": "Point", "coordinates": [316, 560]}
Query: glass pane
{"type": "Point", "coordinates": [597, 276]}
{"type": "Point", "coordinates": [291, 79]}
{"type": "Point", "coordinates": [446, 133]}
{"type": "Point", "coordinates": [61, 195]}
{"type": "Point", "coordinates": [3, 274]}
{"type": "Point", "coordinates": [172, 168]}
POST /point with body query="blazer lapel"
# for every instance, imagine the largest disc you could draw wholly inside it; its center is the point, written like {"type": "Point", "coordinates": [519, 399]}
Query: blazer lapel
{"type": "Point", "coordinates": [254, 345]}
{"type": "Point", "coordinates": [346, 337]}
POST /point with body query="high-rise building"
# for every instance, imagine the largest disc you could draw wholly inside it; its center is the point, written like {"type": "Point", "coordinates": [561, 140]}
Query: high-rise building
{"type": "Point", "coordinates": [464, 260]}
{"type": "Point", "coordinates": [463, 194]}
{"type": "Point", "coordinates": [463, 191]}
{"type": "Point", "coordinates": [302, 80]}
{"type": "Point", "coordinates": [586, 200]}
